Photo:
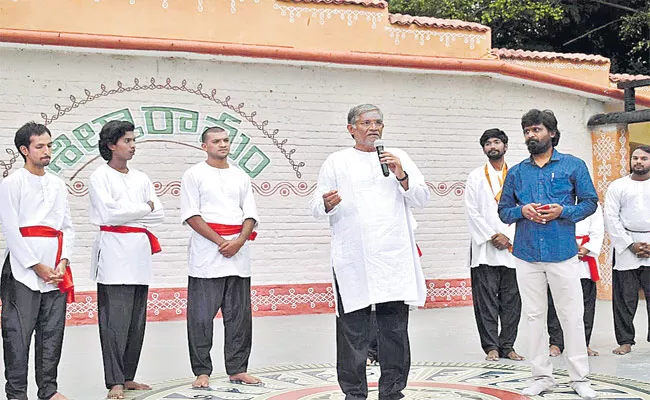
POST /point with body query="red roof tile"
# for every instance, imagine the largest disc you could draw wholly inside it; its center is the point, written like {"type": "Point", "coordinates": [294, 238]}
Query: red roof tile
{"type": "Point", "coordinates": [365, 3]}
{"type": "Point", "coordinates": [548, 56]}
{"type": "Point", "coordinates": [626, 77]}
{"type": "Point", "coordinates": [429, 22]}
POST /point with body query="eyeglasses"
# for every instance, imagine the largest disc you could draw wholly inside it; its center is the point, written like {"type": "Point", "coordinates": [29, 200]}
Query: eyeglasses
{"type": "Point", "coordinates": [369, 123]}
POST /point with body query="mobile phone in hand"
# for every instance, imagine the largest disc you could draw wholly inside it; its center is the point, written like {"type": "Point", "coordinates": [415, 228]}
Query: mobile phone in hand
{"type": "Point", "coordinates": [543, 207]}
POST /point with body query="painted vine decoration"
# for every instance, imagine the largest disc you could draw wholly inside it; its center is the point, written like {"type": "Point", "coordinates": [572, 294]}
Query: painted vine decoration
{"type": "Point", "coordinates": [7, 165]}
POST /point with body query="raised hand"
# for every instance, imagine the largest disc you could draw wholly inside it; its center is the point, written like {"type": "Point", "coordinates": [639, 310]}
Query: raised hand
{"type": "Point", "coordinates": [331, 199]}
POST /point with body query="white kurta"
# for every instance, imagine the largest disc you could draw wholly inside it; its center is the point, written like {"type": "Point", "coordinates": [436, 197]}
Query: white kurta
{"type": "Point", "coordinates": [30, 200]}
{"type": "Point", "coordinates": [120, 199]}
{"type": "Point", "coordinates": [373, 251]}
{"type": "Point", "coordinates": [592, 226]}
{"type": "Point", "coordinates": [483, 219]}
{"type": "Point", "coordinates": [220, 196]}
{"type": "Point", "coordinates": [627, 209]}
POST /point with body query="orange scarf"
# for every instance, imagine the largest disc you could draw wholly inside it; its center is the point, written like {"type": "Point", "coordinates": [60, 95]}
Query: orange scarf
{"type": "Point", "coordinates": [504, 172]}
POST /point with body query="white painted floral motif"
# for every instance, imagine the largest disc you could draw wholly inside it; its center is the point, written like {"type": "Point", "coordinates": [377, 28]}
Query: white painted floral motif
{"type": "Point", "coordinates": [422, 35]}
{"type": "Point", "coordinates": [326, 13]}
{"type": "Point", "coordinates": [559, 65]}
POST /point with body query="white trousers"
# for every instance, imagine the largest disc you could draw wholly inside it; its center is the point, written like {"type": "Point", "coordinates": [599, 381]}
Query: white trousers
{"type": "Point", "coordinates": [564, 281]}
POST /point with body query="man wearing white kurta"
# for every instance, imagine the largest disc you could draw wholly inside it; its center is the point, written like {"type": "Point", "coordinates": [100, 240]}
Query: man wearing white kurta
{"type": "Point", "coordinates": [495, 293]}
{"type": "Point", "coordinates": [374, 256]}
{"type": "Point", "coordinates": [36, 223]}
{"type": "Point", "coordinates": [589, 237]}
{"type": "Point", "coordinates": [627, 215]}
{"type": "Point", "coordinates": [217, 203]}
{"type": "Point", "coordinates": [124, 205]}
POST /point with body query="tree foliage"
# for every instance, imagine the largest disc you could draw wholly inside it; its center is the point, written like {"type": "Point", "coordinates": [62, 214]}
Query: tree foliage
{"type": "Point", "coordinates": [619, 30]}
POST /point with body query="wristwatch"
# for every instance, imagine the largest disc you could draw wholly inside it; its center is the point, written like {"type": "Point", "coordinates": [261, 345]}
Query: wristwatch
{"type": "Point", "coordinates": [406, 176]}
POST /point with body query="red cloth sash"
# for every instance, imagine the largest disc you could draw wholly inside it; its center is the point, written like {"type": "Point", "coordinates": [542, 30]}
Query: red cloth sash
{"type": "Point", "coordinates": [591, 261]}
{"type": "Point", "coordinates": [67, 284]}
{"type": "Point", "coordinates": [226, 230]}
{"type": "Point", "coordinates": [153, 240]}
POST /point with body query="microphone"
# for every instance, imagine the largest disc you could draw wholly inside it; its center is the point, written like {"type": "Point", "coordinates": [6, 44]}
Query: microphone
{"type": "Point", "coordinates": [379, 145]}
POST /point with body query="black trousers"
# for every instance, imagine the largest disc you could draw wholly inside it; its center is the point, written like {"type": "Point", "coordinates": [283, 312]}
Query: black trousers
{"type": "Point", "coordinates": [496, 299]}
{"type": "Point", "coordinates": [25, 312]}
{"type": "Point", "coordinates": [555, 333]}
{"type": "Point", "coordinates": [122, 312]}
{"type": "Point", "coordinates": [625, 294]}
{"type": "Point", "coordinates": [373, 344]}
{"type": "Point", "coordinates": [205, 296]}
{"type": "Point", "coordinates": [352, 342]}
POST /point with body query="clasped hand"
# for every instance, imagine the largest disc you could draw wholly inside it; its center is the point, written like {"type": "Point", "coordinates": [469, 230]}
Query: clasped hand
{"type": "Point", "coordinates": [541, 214]}
{"type": "Point", "coordinates": [641, 249]}
{"type": "Point", "coordinates": [51, 275]}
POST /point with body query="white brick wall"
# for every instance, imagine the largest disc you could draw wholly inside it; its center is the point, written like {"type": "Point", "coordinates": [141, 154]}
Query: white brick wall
{"type": "Point", "coordinates": [436, 118]}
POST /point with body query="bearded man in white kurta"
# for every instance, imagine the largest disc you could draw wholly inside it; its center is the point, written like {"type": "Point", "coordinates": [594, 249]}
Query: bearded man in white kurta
{"type": "Point", "coordinates": [495, 293]}
{"type": "Point", "coordinates": [374, 256]}
{"type": "Point", "coordinates": [627, 217]}
{"type": "Point", "coordinates": [124, 205]}
{"type": "Point", "coordinates": [36, 223]}
{"type": "Point", "coordinates": [217, 203]}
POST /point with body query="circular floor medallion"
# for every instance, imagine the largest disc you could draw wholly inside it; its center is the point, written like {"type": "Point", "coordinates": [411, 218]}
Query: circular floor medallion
{"type": "Point", "coordinates": [448, 381]}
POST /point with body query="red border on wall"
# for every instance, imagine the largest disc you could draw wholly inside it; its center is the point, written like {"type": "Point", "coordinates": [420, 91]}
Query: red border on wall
{"type": "Point", "coordinates": [170, 304]}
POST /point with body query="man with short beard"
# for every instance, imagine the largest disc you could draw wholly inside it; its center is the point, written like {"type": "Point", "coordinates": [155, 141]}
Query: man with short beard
{"type": "Point", "coordinates": [124, 205]}
{"type": "Point", "coordinates": [36, 223]}
{"type": "Point", "coordinates": [627, 216]}
{"type": "Point", "coordinates": [545, 195]}
{"type": "Point", "coordinates": [494, 281]}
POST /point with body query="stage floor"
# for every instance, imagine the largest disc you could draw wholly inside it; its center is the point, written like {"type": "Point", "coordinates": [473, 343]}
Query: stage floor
{"type": "Point", "coordinates": [295, 356]}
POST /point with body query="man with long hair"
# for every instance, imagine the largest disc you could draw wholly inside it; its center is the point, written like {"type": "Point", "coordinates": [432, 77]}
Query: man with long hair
{"type": "Point", "coordinates": [124, 205]}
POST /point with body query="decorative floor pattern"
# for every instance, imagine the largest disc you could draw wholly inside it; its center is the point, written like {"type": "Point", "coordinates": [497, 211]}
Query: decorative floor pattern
{"type": "Point", "coordinates": [427, 381]}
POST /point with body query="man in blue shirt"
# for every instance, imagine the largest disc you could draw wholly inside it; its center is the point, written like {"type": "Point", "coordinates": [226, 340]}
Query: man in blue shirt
{"type": "Point", "coordinates": [545, 195]}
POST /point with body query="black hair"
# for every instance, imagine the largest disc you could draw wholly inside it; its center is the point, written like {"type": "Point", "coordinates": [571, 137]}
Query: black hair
{"type": "Point", "coordinates": [24, 135]}
{"type": "Point", "coordinates": [546, 118]}
{"type": "Point", "coordinates": [642, 147]}
{"type": "Point", "coordinates": [210, 129]}
{"type": "Point", "coordinates": [491, 134]}
{"type": "Point", "coordinates": [110, 134]}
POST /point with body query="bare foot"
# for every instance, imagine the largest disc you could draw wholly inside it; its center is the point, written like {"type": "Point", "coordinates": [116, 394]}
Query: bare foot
{"type": "Point", "coordinates": [516, 357]}
{"type": "Point", "coordinates": [622, 349]}
{"type": "Point", "coordinates": [201, 381]}
{"type": "Point", "coordinates": [58, 396]}
{"type": "Point", "coordinates": [492, 355]}
{"type": "Point", "coordinates": [116, 392]}
{"type": "Point", "coordinates": [554, 351]}
{"type": "Point", "coordinates": [131, 385]}
{"type": "Point", "coordinates": [592, 353]}
{"type": "Point", "coordinates": [245, 379]}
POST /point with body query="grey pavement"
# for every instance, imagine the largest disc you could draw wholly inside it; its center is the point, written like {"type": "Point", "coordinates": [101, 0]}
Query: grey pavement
{"type": "Point", "coordinates": [445, 335]}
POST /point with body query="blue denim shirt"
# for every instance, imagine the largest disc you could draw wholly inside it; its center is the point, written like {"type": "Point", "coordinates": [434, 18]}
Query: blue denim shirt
{"type": "Point", "coordinates": [564, 180]}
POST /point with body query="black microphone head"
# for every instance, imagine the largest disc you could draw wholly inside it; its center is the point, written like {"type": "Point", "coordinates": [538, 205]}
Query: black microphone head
{"type": "Point", "coordinates": [379, 144]}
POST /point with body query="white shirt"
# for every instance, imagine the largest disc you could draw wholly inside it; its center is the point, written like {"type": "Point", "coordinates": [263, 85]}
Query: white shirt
{"type": "Point", "coordinates": [627, 209]}
{"type": "Point", "coordinates": [483, 218]}
{"type": "Point", "coordinates": [592, 226]}
{"type": "Point", "coordinates": [120, 199]}
{"type": "Point", "coordinates": [373, 251]}
{"type": "Point", "coordinates": [220, 196]}
{"type": "Point", "coordinates": [29, 200]}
